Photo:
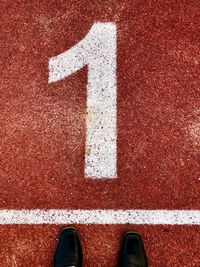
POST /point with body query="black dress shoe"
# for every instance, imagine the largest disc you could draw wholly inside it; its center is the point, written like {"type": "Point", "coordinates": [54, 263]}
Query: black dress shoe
{"type": "Point", "coordinates": [68, 252]}
{"type": "Point", "coordinates": [132, 252]}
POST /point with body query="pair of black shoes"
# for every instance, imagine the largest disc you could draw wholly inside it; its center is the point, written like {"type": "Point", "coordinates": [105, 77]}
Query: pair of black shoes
{"type": "Point", "coordinates": [69, 252]}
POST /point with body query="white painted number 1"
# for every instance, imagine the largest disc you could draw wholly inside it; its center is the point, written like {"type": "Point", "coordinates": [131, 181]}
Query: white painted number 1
{"type": "Point", "coordinates": [98, 51]}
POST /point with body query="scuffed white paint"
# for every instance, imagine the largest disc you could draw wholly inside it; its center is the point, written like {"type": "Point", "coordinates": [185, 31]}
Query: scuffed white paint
{"type": "Point", "coordinates": [98, 51]}
{"type": "Point", "coordinates": [171, 217]}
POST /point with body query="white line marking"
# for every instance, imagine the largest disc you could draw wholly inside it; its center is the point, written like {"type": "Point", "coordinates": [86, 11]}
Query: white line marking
{"type": "Point", "coordinates": [173, 217]}
{"type": "Point", "coordinates": [98, 51]}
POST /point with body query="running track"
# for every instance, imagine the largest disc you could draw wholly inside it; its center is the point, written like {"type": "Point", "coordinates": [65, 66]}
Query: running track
{"type": "Point", "coordinates": [43, 133]}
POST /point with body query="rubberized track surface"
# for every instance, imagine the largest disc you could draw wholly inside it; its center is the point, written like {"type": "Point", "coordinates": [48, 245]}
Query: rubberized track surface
{"type": "Point", "coordinates": [42, 126]}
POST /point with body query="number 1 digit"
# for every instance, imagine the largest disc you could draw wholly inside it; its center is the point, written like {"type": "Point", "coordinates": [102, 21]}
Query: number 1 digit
{"type": "Point", "coordinates": [98, 51]}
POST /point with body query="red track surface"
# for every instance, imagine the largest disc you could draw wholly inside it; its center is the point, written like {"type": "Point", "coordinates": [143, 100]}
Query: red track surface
{"type": "Point", "coordinates": [42, 127]}
{"type": "Point", "coordinates": [168, 246]}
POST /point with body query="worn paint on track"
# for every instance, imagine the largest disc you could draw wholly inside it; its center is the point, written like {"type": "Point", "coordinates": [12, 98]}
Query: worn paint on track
{"type": "Point", "coordinates": [43, 129]}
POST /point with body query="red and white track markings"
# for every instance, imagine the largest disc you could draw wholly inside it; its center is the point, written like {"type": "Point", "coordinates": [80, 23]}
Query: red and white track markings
{"type": "Point", "coordinates": [99, 124]}
{"type": "Point", "coordinates": [97, 51]}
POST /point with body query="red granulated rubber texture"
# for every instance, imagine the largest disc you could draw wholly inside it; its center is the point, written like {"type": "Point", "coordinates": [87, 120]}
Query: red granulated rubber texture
{"type": "Point", "coordinates": [167, 246]}
{"type": "Point", "coordinates": [42, 126]}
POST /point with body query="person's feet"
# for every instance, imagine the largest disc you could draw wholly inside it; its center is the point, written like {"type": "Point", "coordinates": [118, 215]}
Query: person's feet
{"type": "Point", "coordinates": [68, 252]}
{"type": "Point", "coordinates": [132, 252]}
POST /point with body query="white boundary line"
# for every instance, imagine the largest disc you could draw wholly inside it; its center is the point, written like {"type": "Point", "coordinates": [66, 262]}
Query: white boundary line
{"type": "Point", "coordinates": [37, 216]}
